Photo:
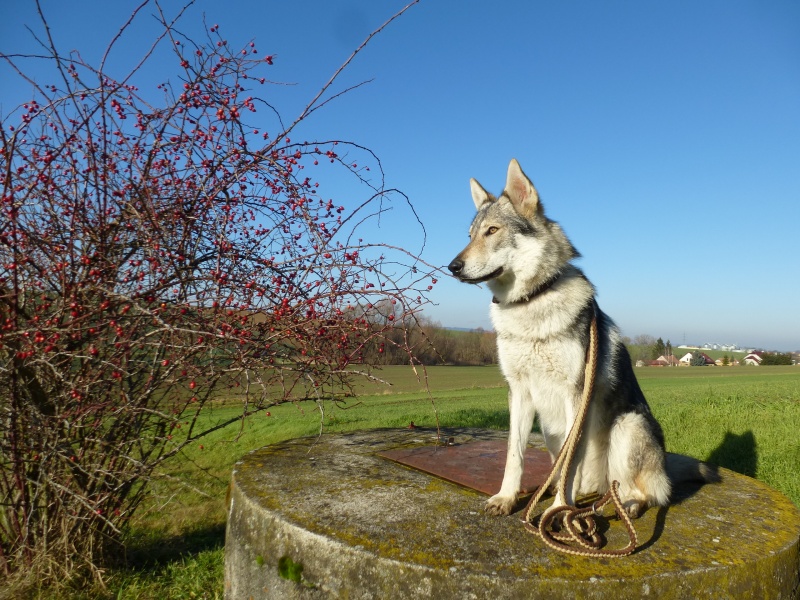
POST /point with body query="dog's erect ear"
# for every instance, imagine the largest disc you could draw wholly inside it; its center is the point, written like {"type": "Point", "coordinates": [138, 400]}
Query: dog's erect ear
{"type": "Point", "coordinates": [479, 195]}
{"type": "Point", "coordinates": [520, 191]}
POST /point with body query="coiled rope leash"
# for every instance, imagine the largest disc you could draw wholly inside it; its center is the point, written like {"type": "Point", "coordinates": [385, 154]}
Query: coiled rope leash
{"type": "Point", "coordinates": [578, 535]}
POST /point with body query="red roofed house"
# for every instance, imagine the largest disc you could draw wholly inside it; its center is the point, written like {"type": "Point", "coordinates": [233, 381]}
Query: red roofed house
{"type": "Point", "coordinates": [754, 358]}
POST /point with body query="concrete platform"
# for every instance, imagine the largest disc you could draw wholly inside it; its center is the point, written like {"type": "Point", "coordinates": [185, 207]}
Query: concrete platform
{"type": "Point", "coordinates": [328, 518]}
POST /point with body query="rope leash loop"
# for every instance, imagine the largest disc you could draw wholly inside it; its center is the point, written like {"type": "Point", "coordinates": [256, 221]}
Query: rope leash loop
{"type": "Point", "coordinates": [577, 533]}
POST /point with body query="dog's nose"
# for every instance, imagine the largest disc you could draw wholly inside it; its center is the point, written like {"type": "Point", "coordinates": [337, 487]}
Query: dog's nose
{"type": "Point", "coordinates": [456, 266]}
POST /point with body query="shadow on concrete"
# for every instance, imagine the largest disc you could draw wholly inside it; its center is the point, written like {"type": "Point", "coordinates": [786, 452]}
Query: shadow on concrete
{"type": "Point", "coordinates": [658, 528]}
{"type": "Point", "coordinates": [737, 452]}
{"type": "Point", "coordinates": [681, 492]}
{"type": "Point", "coordinates": [609, 521]}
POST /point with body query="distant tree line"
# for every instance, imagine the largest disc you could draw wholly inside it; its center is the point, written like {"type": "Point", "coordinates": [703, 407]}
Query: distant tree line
{"type": "Point", "coordinates": [776, 359]}
{"type": "Point", "coordinates": [646, 347]}
{"type": "Point", "coordinates": [433, 344]}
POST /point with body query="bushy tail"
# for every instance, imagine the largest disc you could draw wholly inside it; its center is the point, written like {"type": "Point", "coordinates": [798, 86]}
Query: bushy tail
{"type": "Point", "coordinates": [682, 468]}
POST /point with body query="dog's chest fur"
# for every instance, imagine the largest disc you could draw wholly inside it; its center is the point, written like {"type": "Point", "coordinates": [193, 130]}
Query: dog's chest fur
{"type": "Point", "coordinates": [540, 352]}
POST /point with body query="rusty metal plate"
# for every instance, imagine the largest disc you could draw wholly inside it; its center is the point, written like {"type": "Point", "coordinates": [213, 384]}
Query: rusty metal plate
{"type": "Point", "coordinates": [476, 465]}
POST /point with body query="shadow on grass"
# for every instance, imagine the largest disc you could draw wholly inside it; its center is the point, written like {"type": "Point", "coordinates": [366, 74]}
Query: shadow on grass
{"type": "Point", "coordinates": [479, 418]}
{"type": "Point", "coordinates": [483, 419]}
{"type": "Point", "coordinates": [153, 550]}
{"type": "Point", "coordinates": [156, 565]}
{"type": "Point", "coordinates": [737, 452]}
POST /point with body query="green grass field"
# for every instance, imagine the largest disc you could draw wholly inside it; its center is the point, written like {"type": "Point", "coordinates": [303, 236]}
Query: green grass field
{"type": "Point", "coordinates": [742, 418]}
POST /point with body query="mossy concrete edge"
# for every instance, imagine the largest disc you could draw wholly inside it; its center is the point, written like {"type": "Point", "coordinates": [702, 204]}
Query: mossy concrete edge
{"type": "Point", "coordinates": [358, 526]}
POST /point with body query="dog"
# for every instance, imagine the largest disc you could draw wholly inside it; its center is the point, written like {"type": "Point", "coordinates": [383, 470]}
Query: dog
{"type": "Point", "coordinates": [542, 309]}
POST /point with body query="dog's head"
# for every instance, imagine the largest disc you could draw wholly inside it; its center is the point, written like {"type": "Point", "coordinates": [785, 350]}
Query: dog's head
{"type": "Point", "coordinates": [511, 239]}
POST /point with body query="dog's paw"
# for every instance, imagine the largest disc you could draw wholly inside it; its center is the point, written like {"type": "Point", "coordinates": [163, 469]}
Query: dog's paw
{"type": "Point", "coordinates": [634, 508]}
{"type": "Point", "coordinates": [500, 505]}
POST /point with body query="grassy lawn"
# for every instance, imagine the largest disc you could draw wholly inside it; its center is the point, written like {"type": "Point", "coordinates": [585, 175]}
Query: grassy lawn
{"type": "Point", "coordinates": [742, 418]}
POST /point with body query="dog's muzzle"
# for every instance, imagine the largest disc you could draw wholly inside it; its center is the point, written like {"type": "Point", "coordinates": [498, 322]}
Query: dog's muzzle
{"type": "Point", "coordinates": [456, 266]}
{"type": "Point", "coordinates": [457, 269]}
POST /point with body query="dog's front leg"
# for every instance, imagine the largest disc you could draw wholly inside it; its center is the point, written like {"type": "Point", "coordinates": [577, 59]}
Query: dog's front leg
{"type": "Point", "coordinates": [572, 479]}
{"type": "Point", "coordinates": [521, 411]}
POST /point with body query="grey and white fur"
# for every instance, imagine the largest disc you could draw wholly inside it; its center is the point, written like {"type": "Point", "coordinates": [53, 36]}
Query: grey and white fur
{"type": "Point", "coordinates": [541, 312]}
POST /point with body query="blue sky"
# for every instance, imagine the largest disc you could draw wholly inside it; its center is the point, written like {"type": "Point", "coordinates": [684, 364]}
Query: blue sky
{"type": "Point", "coordinates": [663, 136]}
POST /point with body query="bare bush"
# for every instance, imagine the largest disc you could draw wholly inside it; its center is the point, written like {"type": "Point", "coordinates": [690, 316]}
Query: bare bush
{"type": "Point", "coordinates": [154, 255]}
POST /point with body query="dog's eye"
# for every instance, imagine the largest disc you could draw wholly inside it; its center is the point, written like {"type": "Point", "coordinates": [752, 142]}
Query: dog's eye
{"type": "Point", "coordinates": [491, 230]}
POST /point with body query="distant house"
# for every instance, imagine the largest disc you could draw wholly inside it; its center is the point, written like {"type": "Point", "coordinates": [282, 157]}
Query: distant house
{"type": "Point", "coordinates": [754, 358]}
{"type": "Point", "coordinates": [732, 362]}
{"type": "Point", "coordinates": [708, 359]}
{"type": "Point", "coordinates": [666, 361]}
{"type": "Point", "coordinates": [686, 360]}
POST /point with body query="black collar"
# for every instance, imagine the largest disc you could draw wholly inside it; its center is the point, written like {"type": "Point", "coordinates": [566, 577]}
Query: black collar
{"type": "Point", "coordinates": [538, 290]}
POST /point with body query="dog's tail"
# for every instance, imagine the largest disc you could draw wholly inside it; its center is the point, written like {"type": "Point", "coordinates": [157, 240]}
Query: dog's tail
{"type": "Point", "coordinates": [682, 468]}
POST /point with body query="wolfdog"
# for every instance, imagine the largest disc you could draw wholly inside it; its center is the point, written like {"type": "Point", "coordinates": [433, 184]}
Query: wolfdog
{"type": "Point", "coordinates": [541, 311]}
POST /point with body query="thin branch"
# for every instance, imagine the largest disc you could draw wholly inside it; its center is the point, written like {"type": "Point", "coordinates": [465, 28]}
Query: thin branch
{"type": "Point", "coordinates": [310, 107]}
